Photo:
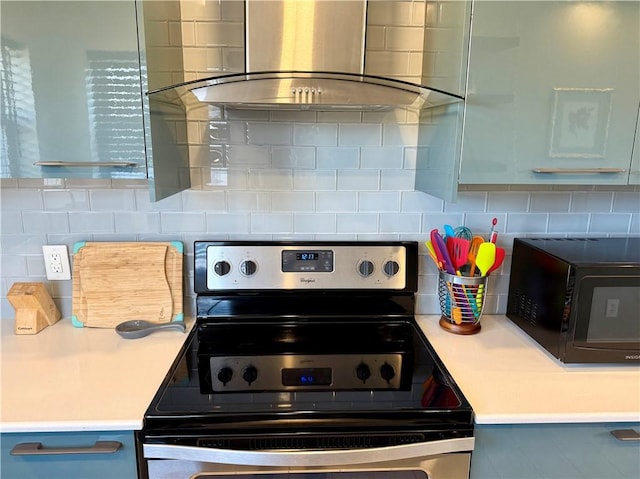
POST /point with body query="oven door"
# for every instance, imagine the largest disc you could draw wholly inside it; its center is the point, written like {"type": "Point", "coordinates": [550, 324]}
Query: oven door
{"type": "Point", "coordinates": [445, 459]}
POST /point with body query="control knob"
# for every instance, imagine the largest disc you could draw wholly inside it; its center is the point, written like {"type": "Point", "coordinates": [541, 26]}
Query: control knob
{"type": "Point", "coordinates": [363, 372]}
{"type": "Point", "coordinates": [248, 267]}
{"type": "Point", "coordinates": [387, 372]}
{"type": "Point", "coordinates": [391, 268]}
{"type": "Point", "coordinates": [224, 375]}
{"type": "Point", "coordinates": [365, 268]}
{"type": "Point", "coordinates": [250, 374]}
{"type": "Point", "coordinates": [221, 268]}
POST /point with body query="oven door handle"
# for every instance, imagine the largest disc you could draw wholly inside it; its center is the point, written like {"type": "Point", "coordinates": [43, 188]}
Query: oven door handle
{"type": "Point", "coordinates": [341, 457]}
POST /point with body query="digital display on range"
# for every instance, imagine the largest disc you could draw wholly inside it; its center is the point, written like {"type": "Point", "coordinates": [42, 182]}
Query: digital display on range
{"type": "Point", "coordinates": [307, 256]}
{"type": "Point", "coordinates": [306, 377]}
{"type": "Point", "coordinates": [307, 261]}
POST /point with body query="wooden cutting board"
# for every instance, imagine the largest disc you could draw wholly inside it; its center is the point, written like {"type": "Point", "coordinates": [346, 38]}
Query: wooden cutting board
{"type": "Point", "coordinates": [115, 282]}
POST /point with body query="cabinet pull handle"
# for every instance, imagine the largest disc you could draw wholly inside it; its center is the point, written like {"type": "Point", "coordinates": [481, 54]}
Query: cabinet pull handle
{"type": "Point", "coordinates": [85, 163]}
{"type": "Point", "coordinates": [626, 434]}
{"type": "Point", "coordinates": [574, 171]}
{"type": "Point", "coordinates": [37, 449]}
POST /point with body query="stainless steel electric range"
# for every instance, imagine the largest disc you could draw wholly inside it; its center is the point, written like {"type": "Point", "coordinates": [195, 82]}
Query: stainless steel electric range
{"type": "Point", "coordinates": [306, 361]}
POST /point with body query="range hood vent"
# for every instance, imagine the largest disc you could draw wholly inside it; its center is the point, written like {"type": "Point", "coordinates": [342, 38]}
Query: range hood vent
{"type": "Point", "coordinates": [319, 91]}
{"type": "Point", "coordinates": [313, 55]}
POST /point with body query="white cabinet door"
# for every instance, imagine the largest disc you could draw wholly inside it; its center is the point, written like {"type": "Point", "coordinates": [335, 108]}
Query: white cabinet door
{"type": "Point", "coordinates": [71, 92]}
{"type": "Point", "coordinates": [553, 92]}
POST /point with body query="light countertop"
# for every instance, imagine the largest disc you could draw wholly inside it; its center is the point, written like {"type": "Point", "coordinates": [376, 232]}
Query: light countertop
{"type": "Point", "coordinates": [74, 379]}
{"type": "Point", "coordinates": [508, 378]}
{"type": "Point", "coordinates": [80, 379]}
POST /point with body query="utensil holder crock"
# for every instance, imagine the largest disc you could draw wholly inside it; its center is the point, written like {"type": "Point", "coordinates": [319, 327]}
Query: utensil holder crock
{"type": "Point", "coordinates": [462, 300]}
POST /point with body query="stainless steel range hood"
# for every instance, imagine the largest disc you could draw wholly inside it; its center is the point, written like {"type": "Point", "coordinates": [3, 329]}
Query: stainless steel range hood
{"type": "Point", "coordinates": [314, 55]}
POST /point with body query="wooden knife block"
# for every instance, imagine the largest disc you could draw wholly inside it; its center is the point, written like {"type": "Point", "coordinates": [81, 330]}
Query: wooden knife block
{"type": "Point", "coordinates": [35, 310]}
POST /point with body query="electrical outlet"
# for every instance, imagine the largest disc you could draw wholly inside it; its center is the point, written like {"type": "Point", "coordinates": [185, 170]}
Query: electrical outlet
{"type": "Point", "coordinates": [56, 262]}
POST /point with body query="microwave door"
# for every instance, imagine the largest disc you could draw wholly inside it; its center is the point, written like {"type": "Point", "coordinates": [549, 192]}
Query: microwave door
{"type": "Point", "coordinates": [607, 313]}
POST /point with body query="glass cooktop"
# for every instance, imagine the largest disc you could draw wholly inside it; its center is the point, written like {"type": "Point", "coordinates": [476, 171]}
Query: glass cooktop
{"type": "Point", "coordinates": [426, 393]}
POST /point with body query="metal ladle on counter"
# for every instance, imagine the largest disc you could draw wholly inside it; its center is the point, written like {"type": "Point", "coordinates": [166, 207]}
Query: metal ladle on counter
{"type": "Point", "coordinates": [139, 328]}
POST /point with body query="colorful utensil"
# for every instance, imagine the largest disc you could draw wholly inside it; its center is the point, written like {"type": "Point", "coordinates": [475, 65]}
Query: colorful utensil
{"type": "Point", "coordinates": [449, 232]}
{"type": "Point", "coordinates": [458, 249]}
{"type": "Point", "coordinates": [473, 252]}
{"type": "Point", "coordinates": [485, 257]}
{"type": "Point", "coordinates": [441, 251]}
{"type": "Point", "coordinates": [500, 253]}
{"type": "Point", "coordinates": [432, 254]}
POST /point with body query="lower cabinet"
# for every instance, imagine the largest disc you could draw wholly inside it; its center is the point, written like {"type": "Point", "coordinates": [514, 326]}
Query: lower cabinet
{"type": "Point", "coordinates": [68, 455]}
{"type": "Point", "coordinates": [555, 451]}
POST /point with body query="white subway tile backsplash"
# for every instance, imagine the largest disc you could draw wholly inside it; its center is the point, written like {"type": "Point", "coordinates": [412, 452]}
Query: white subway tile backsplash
{"type": "Point", "coordinates": [292, 201]}
{"type": "Point", "coordinates": [383, 158]}
{"type": "Point", "coordinates": [358, 180]}
{"type": "Point", "coordinates": [11, 222]}
{"type": "Point", "coordinates": [610, 223]}
{"type": "Point", "coordinates": [204, 200]}
{"type": "Point", "coordinates": [91, 222]}
{"type": "Point", "coordinates": [112, 200]}
{"type": "Point", "coordinates": [315, 134]}
{"type": "Point", "coordinates": [395, 223]}
{"type": "Point", "coordinates": [338, 201]}
{"type": "Point", "coordinates": [508, 201]}
{"type": "Point", "coordinates": [592, 201]}
{"type": "Point", "coordinates": [549, 202]}
{"type": "Point", "coordinates": [526, 223]}
{"type": "Point", "coordinates": [21, 200]}
{"type": "Point", "coordinates": [338, 158]}
{"type": "Point", "coordinates": [44, 222]}
{"type": "Point", "coordinates": [182, 222]}
{"type": "Point", "coordinates": [400, 135]}
{"type": "Point", "coordinates": [359, 135]}
{"type": "Point", "coordinates": [293, 157]}
{"type": "Point", "coordinates": [13, 265]}
{"type": "Point", "coordinates": [568, 223]}
{"type": "Point", "coordinates": [241, 156]}
{"type": "Point", "coordinates": [314, 180]}
{"type": "Point", "coordinates": [269, 133]}
{"type": "Point", "coordinates": [404, 38]}
{"type": "Point", "coordinates": [248, 201]}
{"type": "Point", "coordinates": [379, 201]}
{"type": "Point", "coordinates": [271, 223]}
{"type": "Point", "coordinates": [468, 201]}
{"type": "Point", "coordinates": [137, 222]}
{"type": "Point", "coordinates": [403, 180]}
{"type": "Point", "coordinates": [228, 223]}
{"type": "Point", "coordinates": [626, 203]}
{"type": "Point", "coordinates": [305, 223]}
{"type": "Point", "coordinates": [357, 223]}
{"type": "Point", "coordinates": [413, 201]}
{"type": "Point", "coordinates": [65, 200]}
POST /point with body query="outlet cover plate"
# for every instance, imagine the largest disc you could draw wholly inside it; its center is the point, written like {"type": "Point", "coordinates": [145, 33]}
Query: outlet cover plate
{"type": "Point", "coordinates": [56, 262]}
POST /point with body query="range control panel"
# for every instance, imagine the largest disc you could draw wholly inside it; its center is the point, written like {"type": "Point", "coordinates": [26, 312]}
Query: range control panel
{"type": "Point", "coordinates": [306, 266]}
{"type": "Point", "coordinates": [305, 372]}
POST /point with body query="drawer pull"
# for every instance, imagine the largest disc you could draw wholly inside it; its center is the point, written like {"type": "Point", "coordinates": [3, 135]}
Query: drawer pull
{"type": "Point", "coordinates": [85, 163]}
{"type": "Point", "coordinates": [626, 434]}
{"type": "Point", "coordinates": [37, 449]}
{"type": "Point", "coordinates": [574, 171]}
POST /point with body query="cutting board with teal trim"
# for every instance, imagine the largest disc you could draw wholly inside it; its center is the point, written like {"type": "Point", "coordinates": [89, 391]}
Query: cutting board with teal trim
{"type": "Point", "coordinates": [118, 281]}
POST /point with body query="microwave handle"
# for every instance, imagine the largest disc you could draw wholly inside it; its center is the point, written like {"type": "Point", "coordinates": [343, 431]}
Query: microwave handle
{"type": "Point", "coordinates": [626, 434]}
{"type": "Point", "coordinates": [306, 458]}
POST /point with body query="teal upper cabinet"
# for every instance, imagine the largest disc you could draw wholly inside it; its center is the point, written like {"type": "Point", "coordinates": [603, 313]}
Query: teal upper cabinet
{"type": "Point", "coordinates": [71, 90]}
{"type": "Point", "coordinates": [553, 92]}
{"type": "Point", "coordinates": [634, 175]}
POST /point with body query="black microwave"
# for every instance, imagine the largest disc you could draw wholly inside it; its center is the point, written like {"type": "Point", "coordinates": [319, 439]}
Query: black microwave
{"type": "Point", "coordinates": [579, 298]}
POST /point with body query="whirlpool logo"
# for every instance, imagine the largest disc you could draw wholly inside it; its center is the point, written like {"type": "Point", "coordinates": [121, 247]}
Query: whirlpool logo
{"type": "Point", "coordinates": [307, 280]}
{"type": "Point", "coordinates": [632, 357]}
